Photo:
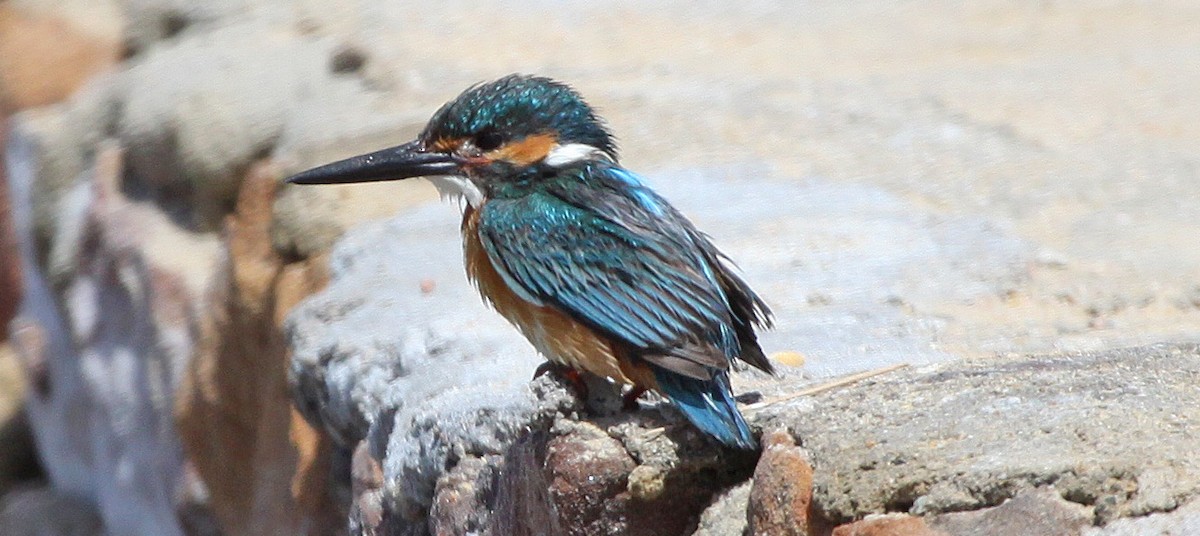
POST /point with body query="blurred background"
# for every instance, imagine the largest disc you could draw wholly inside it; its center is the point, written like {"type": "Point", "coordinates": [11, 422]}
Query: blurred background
{"type": "Point", "coordinates": [906, 182]}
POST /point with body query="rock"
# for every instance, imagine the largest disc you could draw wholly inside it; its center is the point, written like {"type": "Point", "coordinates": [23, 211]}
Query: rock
{"type": "Point", "coordinates": [895, 217]}
{"type": "Point", "coordinates": [193, 114]}
{"type": "Point", "coordinates": [267, 471]}
{"type": "Point", "coordinates": [434, 380]}
{"type": "Point", "coordinates": [44, 57]}
{"type": "Point", "coordinates": [10, 258]}
{"type": "Point", "coordinates": [889, 525]}
{"type": "Point", "coordinates": [434, 434]}
{"type": "Point", "coordinates": [522, 497]}
{"type": "Point", "coordinates": [588, 473]}
{"type": "Point", "coordinates": [99, 19]}
{"type": "Point", "coordinates": [200, 111]}
{"type": "Point", "coordinates": [727, 514]}
{"type": "Point", "coordinates": [369, 344]}
{"type": "Point", "coordinates": [782, 493]}
{"type": "Point", "coordinates": [1041, 512]}
{"type": "Point", "coordinates": [1179, 522]}
{"type": "Point", "coordinates": [308, 221]}
{"type": "Point", "coordinates": [147, 22]}
{"type": "Point", "coordinates": [18, 456]}
{"type": "Point", "coordinates": [970, 435]}
{"type": "Point", "coordinates": [57, 144]}
{"type": "Point", "coordinates": [106, 359]}
{"type": "Point", "coordinates": [38, 510]}
{"type": "Point", "coordinates": [461, 504]}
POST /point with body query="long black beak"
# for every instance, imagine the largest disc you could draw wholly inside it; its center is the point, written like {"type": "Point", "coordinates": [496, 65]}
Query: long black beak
{"type": "Point", "coordinates": [400, 162]}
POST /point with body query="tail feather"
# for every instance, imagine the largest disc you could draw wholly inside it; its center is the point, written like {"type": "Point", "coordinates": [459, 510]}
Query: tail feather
{"type": "Point", "coordinates": [709, 405]}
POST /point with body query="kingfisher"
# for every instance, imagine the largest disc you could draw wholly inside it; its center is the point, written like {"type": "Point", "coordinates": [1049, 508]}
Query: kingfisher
{"type": "Point", "coordinates": [598, 271]}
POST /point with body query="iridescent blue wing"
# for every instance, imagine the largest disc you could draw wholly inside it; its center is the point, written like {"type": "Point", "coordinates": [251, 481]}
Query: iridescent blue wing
{"type": "Point", "coordinates": [619, 195]}
{"type": "Point", "coordinates": [640, 277]}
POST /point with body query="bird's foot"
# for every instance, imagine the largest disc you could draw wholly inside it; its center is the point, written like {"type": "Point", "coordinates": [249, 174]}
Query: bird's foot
{"type": "Point", "coordinates": [629, 401]}
{"type": "Point", "coordinates": [568, 374]}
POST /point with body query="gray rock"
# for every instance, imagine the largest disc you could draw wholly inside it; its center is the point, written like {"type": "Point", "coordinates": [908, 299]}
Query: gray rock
{"type": "Point", "coordinates": [727, 515]}
{"type": "Point", "coordinates": [38, 510]}
{"type": "Point", "coordinates": [1101, 428]}
{"type": "Point", "coordinates": [1040, 512]}
{"type": "Point", "coordinates": [57, 143]}
{"type": "Point", "coordinates": [149, 21]}
{"type": "Point", "coordinates": [433, 435]}
{"type": "Point", "coordinates": [199, 111]}
{"type": "Point", "coordinates": [374, 344]}
{"type": "Point", "coordinates": [105, 346]}
{"type": "Point", "coordinates": [1180, 522]}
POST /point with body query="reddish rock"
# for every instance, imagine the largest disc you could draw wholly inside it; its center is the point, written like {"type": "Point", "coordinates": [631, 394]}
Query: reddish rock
{"type": "Point", "coordinates": [43, 59]}
{"type": "Point", "coordinates": [585, 482]}
{"type": "Point", "coordinates": [588, 473]}
{"type": "Point", "coordinates": [782, 492]}
{"type": "Point", "coordinates": [888, 525]}
{"type": "Point", "coordinates": [267, 469]}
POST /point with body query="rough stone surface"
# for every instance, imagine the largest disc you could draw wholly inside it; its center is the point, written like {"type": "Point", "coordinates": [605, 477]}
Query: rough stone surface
{"type": "Point", "coordinates": [58, 143]}
{"type": "Point", "coordinates": [197, 113]}
{"type": "Point", "coordinates": [1108, 430]}
{"type": "Point", "coordinates": [587, 469]}
{"type": "Point", "coordinates": [460, 503]}
{"type": "Point", "coordinates": [904, 182]}
{"type": "Point", "coordinates": [104, 365]}
{"type": "Point", "coordinates": [727, 515]}
{"type": "Point", "coordinates": [782, 493]}
{"type": "Point", "coordinates": [38, 510]}
{"type": "Point", "coordinates": [18, 458]}
{"type": "Point", "coordinates": [366, 493]}
{"type": "Point", "coordinates": [890, 525]}
{"type": "Point", "coordinates": [148, 22]}
{"type": "Point", "coordinates": [267, 470]}
{"type": "Point", "coordinates": [1180, 522]}
{"type": "Point", "coordinates": [10, 258]}
{"type": "Point", "coordinates": [1041, 512]}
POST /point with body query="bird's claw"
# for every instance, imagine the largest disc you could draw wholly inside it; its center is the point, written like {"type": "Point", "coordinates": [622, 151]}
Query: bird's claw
{"type": "Point", "coordinates": [629, 401]}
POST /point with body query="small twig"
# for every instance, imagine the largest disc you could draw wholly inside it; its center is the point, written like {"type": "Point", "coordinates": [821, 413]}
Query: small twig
{"type": "Point", "coordinates": [853, 378]}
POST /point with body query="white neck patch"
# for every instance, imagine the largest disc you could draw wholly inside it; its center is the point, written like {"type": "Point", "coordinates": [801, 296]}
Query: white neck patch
{"type": "Point", "coordinates": [571, 153]}
{"type": "Point", "coordinates": [459, 187]}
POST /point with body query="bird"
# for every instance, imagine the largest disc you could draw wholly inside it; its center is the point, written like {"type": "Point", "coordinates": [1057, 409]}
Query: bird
{"type": "Point", "coordinates": [598, 271]}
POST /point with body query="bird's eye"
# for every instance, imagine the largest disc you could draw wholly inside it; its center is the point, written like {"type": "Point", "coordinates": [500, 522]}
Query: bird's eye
{"type": "Point", "coordinates": [488, 140]}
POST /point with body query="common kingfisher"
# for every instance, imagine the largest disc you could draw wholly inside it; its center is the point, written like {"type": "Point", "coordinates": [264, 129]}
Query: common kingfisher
{"type": "Point", "coordinates": [596, 270]}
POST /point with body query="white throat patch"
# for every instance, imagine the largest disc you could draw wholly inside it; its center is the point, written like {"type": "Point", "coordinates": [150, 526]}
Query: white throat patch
{"type": "Point", "coordinates": [458, 186]}
{"type": "Point", "coordinates": [565, 155]}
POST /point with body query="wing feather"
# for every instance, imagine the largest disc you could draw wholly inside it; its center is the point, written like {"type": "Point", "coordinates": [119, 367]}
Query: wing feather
{"type": "Point", "coordinates": [617, 257]}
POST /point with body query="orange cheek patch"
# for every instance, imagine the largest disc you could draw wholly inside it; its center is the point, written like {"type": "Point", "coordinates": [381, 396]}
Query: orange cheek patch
{"type": "Point", "coordinates": [526, 151]}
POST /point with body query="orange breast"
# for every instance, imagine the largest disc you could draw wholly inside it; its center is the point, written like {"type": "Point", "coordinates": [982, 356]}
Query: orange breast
{"type": "Point", "coordinates": [555, 334]}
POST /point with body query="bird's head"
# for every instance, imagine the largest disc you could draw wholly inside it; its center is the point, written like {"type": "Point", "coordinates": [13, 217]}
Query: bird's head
{"type": "Point", "coordinates": [515, 128]}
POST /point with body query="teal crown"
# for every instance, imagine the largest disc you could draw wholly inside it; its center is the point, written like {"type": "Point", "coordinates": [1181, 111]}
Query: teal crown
{"type": "Point", "coordinates": [517, 106]}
